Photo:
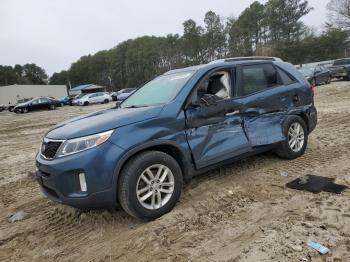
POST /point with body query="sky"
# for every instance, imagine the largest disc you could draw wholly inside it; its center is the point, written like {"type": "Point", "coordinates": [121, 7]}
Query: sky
{"type": "Point", "coordinates": [55, 33]}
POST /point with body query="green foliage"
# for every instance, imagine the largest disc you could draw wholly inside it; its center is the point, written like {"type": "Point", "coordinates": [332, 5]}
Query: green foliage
{"type": "Point", "coordinates": [330, 45]}
{"type": "Point", "coordinates": [26, 74]}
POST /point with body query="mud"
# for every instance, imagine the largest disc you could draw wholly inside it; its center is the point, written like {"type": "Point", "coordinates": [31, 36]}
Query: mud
{"type": "Point", "coordinates": [240, 212]}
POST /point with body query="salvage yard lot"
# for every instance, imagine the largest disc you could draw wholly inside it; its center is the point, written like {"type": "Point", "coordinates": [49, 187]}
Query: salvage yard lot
{"type": "Point", "coordinates": [240, 212]}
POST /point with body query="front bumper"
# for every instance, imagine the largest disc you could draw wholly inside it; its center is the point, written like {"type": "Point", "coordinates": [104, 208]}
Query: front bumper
{"type": "Point", "coordinates": [59, 178]}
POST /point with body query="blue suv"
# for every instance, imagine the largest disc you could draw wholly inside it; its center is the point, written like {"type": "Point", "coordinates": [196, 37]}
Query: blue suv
{"type": "Point", "coordinates": [181, 124]}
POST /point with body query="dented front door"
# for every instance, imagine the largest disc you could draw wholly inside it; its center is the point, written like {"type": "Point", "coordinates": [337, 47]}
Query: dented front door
{"type": "Point", "coordinates": [211, 143]}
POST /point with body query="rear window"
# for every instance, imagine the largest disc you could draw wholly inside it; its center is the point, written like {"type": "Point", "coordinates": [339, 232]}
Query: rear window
{"type": "Point", "coordinates": [285, 78]}
{"type": "Point", "coordinates": [258, 78]}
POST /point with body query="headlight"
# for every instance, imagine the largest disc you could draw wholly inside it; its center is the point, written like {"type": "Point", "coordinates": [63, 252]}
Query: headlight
{"type": "Point", "coordinates": [76, 145]}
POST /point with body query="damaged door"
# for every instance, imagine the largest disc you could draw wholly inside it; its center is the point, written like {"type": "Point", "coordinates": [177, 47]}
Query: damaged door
{"type": "Point", "coordinates": [214, 132]}
{"type": "Point", "coordinates": [266, 93]}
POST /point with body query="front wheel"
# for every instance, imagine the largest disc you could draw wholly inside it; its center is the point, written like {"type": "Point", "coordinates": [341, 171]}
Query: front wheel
{"type": "Point", "coordinates": [52, 107]}
{"type": "Point", "coordinates": [296, 134]}
{"type": "Point", "coordinates": [25, 110]}
{"type": "Point", "coordinates": [150, 185]}
{"type": "Point", "coordinates": [329, 80]}
{"type": "Point", "coordinates": [106, 101]}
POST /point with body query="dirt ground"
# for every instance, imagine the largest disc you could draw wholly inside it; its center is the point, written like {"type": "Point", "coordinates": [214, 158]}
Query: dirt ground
{"type": "Point", "coordinates": [240, 212]}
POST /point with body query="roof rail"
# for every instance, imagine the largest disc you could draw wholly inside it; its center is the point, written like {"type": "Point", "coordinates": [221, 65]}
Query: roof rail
{"type": "Point", "coordinates": [247, 58]}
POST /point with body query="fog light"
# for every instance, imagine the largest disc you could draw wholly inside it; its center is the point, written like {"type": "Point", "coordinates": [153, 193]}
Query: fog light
{"type": "Point", "coordinates": [82, 181]}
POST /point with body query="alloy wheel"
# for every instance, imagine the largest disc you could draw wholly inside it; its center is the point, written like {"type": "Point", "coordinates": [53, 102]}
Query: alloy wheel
{"type": "Point", "coordinates": [155, 186]}
{"type": "Point", "coordinates": [296, 137]}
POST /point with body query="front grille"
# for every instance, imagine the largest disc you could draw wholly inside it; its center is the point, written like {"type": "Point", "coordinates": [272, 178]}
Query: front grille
{"type": "Point", "coordinates": [49, 148]}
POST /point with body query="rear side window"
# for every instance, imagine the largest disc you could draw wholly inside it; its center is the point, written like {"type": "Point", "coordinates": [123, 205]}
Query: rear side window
{"type": "Point", "coordinates": [258, 78]}
{"type": "Point", "coordinates": [285, 79]}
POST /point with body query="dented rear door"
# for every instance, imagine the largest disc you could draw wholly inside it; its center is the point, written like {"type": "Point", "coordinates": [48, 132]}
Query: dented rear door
{"type": "Point", "coordinates": [265, 101]}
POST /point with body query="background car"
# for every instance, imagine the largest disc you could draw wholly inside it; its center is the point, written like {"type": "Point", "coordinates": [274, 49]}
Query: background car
{"type": "Point", "coordinates": [95, 98]}
{"type": "Point", "coordinates": [76, 99]}
{"type": "Point", "coordinates": [316, 74]}
{"type": "Point", "coordinates": [67, 100]}
{"type": "Point", "coordinates": [123, 94]}
{"type": "Point", "coordinates": [341, 68]}
{"type": "Point", "coordinates": [36, 104]}
{"type": "Point", "coordinates": [2, 108]}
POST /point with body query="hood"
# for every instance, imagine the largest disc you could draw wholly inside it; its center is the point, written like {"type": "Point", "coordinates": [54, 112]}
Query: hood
{"type": "Point", "coordinates": [102, 121]}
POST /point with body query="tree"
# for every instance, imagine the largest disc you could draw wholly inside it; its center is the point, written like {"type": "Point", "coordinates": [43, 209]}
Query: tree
{"type": "Point", "coordinates": [283, 19]}
{"type": "Point", "coordinates": [339, 13]}
{"type": "Point", "coordinates": [214, 37]}
{"type": "Point", "coordinates": [26, 74]}
{"type": "Point", "coordinates": [247, 33]}
{"type": "Point", "coordinates": [192, 45]}
{"type": "Point", "coordinates": [61, 78]}
{"type": "Point", "coordinates": [34, 74]}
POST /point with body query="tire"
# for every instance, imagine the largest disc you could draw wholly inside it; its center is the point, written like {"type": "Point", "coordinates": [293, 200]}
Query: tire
{"type": "Point", "coordinates": [329, 80]}
{"type": "Point", "coordinates": [52, 107]}
{"type": "Point", "coordinates": [24, 110]}
{"type": "Point", "coordinates": [285, 150]}
{"type": "Point", "coordinates": [86, 103]}
{"type": "Point", "coordinates": [130, 179]}
{"type": "Point", "coordinates": [106, 101]}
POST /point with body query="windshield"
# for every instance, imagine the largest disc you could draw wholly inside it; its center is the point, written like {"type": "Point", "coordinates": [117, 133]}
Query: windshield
{"type": "Point", "coordinates": [307, 71]}
{"type": "Point", "coordinates": [160, 90]}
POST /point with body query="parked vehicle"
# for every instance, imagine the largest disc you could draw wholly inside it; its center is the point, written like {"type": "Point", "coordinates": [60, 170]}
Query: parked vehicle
{"type": "Point", "coordinates": [123, 94]}
{"type": "Point", "coordinates": [2, 108]}
{"type": "Point", "coordinates": [36, 104]}
{"type": "Point", "coordinates": [67, 100]}
{"type": "Point", "coordinates": [181, 124]}
{"type": "Point", "coordinates": [76, 99]}
{"type": "Point", "coordinates": [10, 107]}
{"type": "Point", "coordinates": [95, 98]}
{"type": "Point", "coordinates": [56, 101]}
{"type": "Point", "coordinates": [316, 74]}
{"type": "Point", "coordinates": [341, 69]}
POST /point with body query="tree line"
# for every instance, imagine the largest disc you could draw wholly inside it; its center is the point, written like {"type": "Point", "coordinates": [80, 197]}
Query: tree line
{"type": "Point", "coordinates": [271, 29]}
{"type": "Point", "coordinates": [26, 74]}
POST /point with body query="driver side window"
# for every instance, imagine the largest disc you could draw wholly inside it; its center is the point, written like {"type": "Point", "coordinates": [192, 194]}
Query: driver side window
{"type": "Point", "coordinates": [216, 85]}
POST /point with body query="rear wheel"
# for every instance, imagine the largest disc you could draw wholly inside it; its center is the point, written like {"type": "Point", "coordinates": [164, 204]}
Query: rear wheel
{"type": "Point", "coordinates": [86, 103]}
{"type": "Point", "coordinates": [296, 133]}
{"type": "Point", "coordinates": [106, 101]}
{"type": "Point", "coordinates": [150, 185]}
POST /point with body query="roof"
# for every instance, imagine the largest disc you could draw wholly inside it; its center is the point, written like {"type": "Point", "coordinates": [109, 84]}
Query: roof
{"type": "Point", "coordinates": [226, 61]}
